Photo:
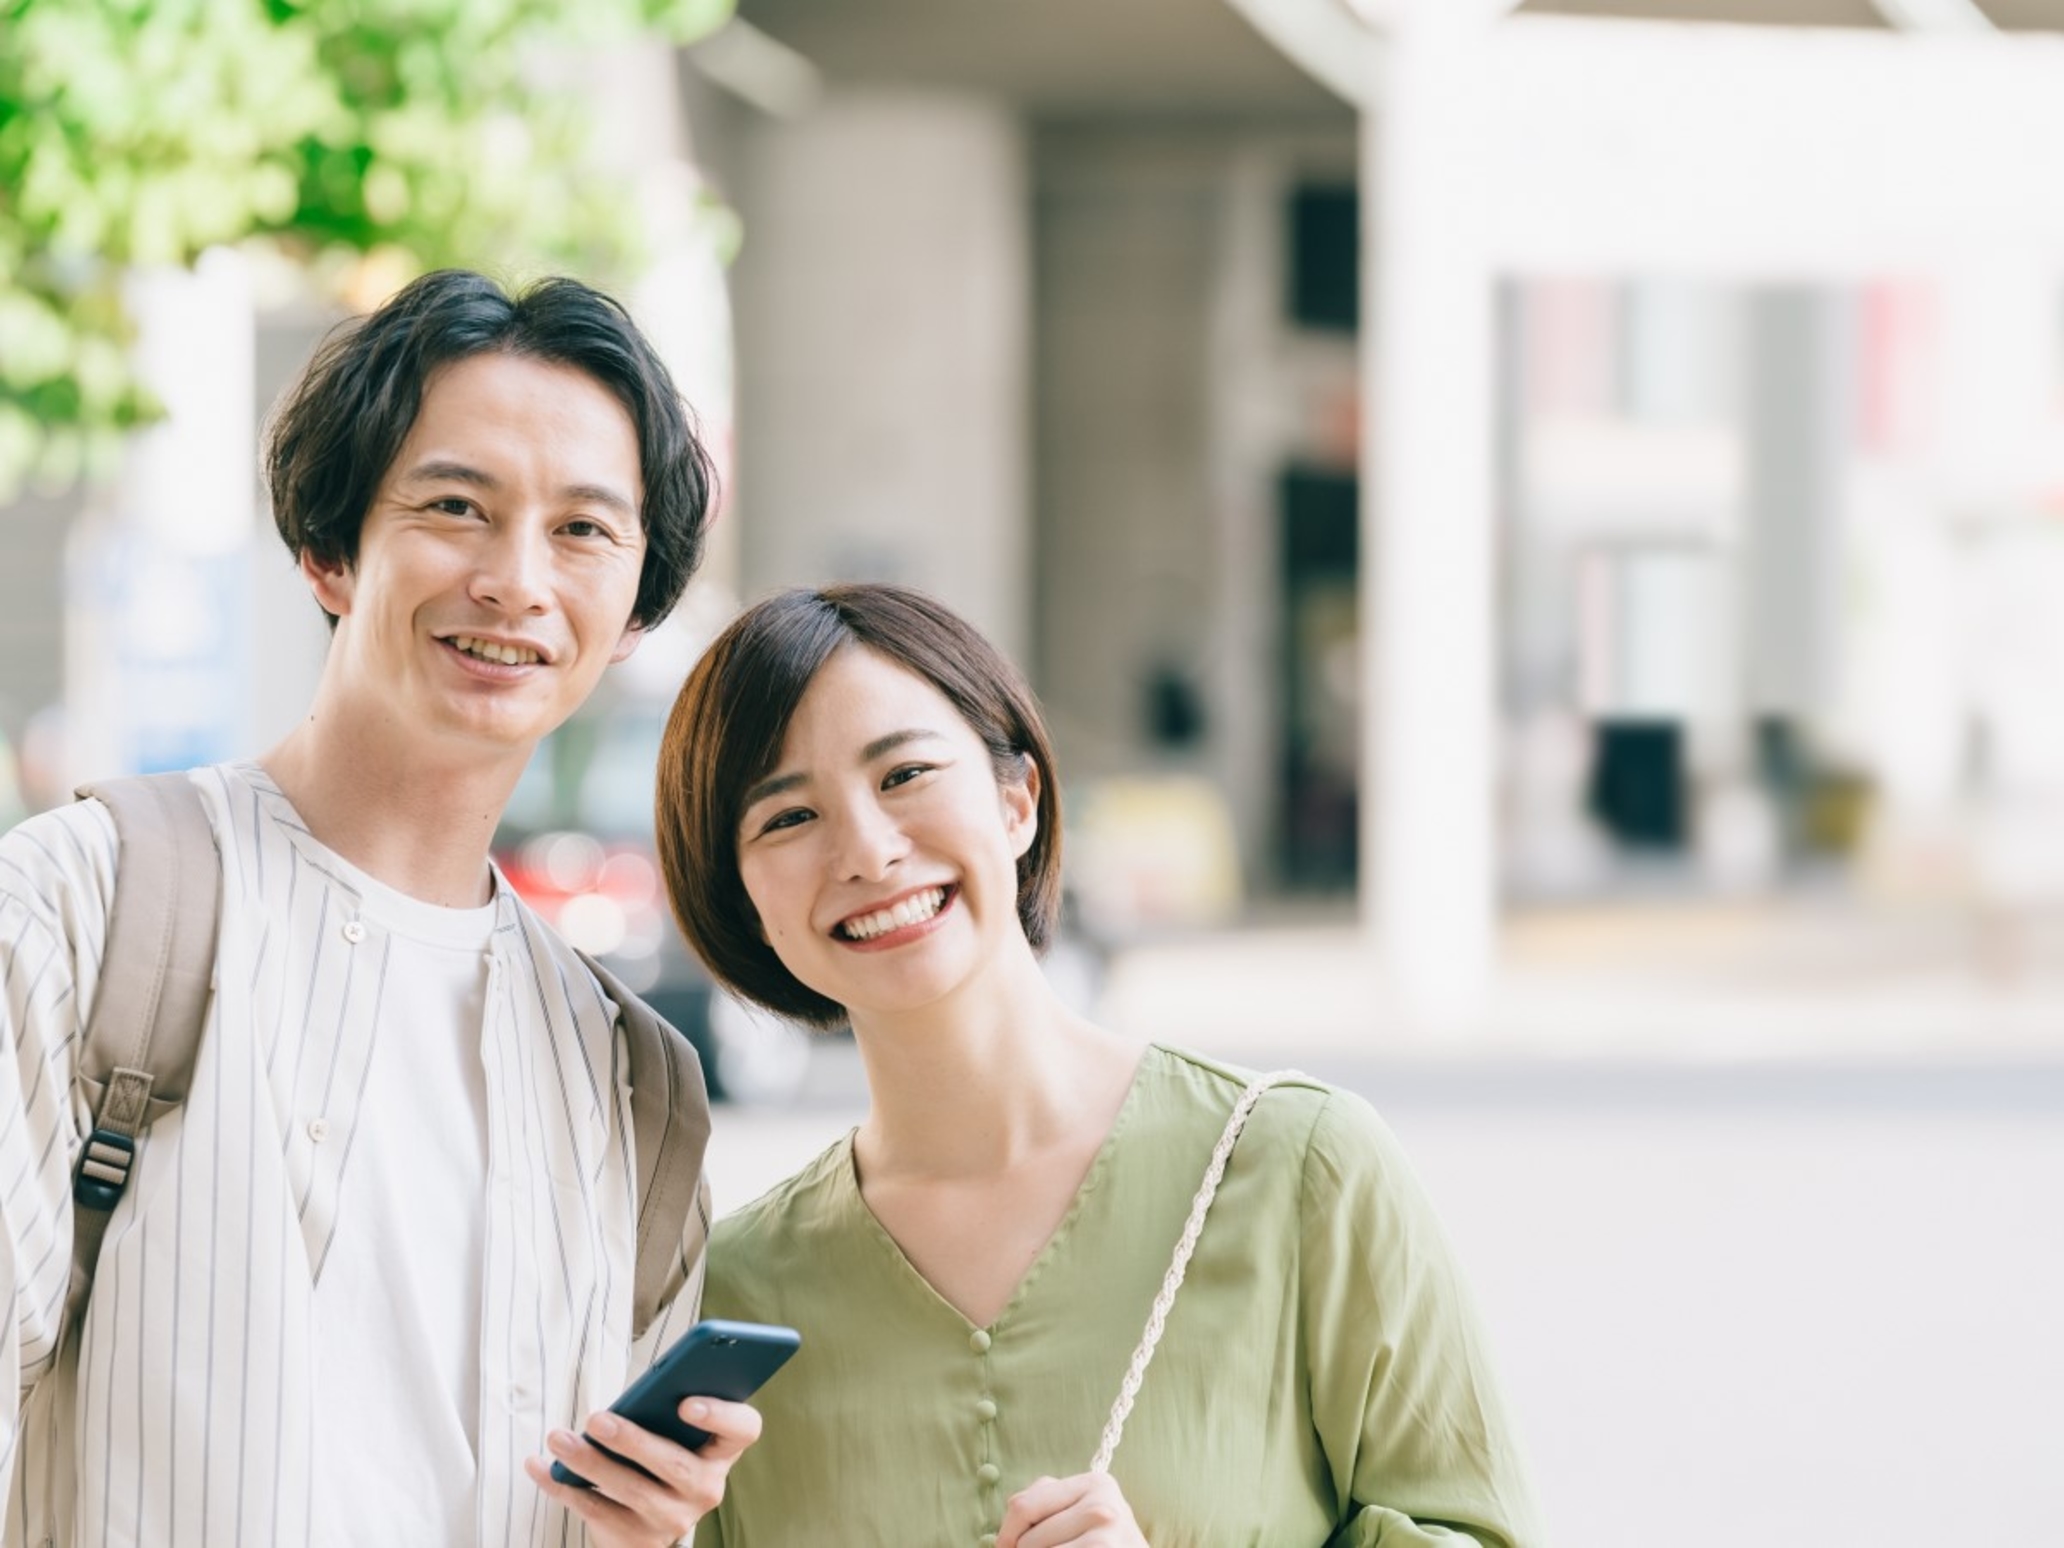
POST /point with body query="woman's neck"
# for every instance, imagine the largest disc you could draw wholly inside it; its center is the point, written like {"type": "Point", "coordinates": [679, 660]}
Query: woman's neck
{"type": "Point", "coordinates": [1000, 1073]}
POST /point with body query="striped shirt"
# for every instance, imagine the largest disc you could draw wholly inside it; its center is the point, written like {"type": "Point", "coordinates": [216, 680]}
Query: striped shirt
{"type": "Point", "coordinates": [181, 1412]}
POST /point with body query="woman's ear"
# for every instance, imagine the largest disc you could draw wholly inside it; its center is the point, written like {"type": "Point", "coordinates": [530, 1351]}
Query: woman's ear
{"type": "Point", "coordinates": [1021, 806]}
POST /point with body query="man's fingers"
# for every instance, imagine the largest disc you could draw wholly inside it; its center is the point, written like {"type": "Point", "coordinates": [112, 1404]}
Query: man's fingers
{"type": "Point", "coordinates": [696, 1475]}
{"type": "Point", "coordinates": [611, 1477]}
{"type": "Point", "coordinates": [732, 1426]}
{"type": "Point", "coordinates": [591, 1505]}
{"type": "Point", "coordinates": [627, 1505]}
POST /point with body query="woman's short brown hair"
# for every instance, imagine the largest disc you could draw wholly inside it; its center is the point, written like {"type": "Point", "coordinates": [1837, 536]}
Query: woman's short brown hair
{"type": "Point", "coordinates": [726, 731]}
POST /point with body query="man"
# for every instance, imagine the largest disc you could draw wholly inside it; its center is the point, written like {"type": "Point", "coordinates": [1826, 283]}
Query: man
{"type": "Point", "coordinates": [385, 1247]}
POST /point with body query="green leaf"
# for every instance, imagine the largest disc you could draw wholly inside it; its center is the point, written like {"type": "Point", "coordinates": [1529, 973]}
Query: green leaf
{"type": "Point", "coordinates": [145, 131]}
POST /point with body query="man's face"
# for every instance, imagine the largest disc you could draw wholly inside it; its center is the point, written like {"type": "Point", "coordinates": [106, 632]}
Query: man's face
{"type": "Point", "coordinates": [499, 561]}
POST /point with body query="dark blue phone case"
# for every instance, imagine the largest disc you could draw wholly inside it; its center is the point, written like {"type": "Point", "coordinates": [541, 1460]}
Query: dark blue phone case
{"type": "Point", "coordinates": [718, 1359]}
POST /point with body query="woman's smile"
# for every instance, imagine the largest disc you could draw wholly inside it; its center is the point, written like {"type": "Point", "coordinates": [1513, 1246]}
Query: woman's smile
{"type": "Point", "coordinates": [897, 922]}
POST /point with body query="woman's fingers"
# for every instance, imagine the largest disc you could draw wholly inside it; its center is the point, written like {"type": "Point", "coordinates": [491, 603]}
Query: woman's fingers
{"type": "Point", "coordinates": [1085, 1511]}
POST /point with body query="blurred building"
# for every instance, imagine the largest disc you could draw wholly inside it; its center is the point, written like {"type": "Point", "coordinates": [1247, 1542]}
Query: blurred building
{"type": "Point", "coordinates": [1441, 461]}
{"type": "Point", "coordinates": [1053, 310]}
{"type": "Point", "coordinates": [1607, 526]}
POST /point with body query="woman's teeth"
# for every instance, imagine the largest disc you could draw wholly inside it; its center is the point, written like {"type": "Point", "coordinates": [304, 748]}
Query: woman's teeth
{"type": "Point", "coordinates": [916, 908]}
{"type": "Point", "coordinates": [488, 650]}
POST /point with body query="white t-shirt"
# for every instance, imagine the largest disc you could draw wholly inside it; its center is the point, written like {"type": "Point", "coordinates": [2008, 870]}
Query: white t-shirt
{"type": "Point", "coordinates": [397, 1443]}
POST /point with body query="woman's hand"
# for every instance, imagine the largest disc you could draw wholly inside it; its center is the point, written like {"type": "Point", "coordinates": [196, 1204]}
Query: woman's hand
{"type": "Point", "coordinates": [1086, 1511]}
{"type": "Point", "coordinates": [626, 1509]}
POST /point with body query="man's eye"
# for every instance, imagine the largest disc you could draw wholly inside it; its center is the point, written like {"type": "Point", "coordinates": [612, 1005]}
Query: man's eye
{"type": "Point", "coordinates": [583, 526]}
{"type": "Point", "coordinates": [452, 505]}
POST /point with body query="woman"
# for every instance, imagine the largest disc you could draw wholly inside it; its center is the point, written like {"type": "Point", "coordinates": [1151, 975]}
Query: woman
{"type": "Point", "coordinates": [858, 821]}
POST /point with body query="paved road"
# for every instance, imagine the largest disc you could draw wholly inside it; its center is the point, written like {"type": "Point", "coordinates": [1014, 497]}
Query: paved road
{"type": "Point", "coordinates": [1784, 1306]}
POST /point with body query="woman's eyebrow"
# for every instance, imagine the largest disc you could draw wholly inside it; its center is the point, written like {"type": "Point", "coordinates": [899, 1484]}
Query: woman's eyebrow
{"type": "Point", "coordinates": [775, 784]}
{"type": "Point", "coordinates": [892, 741]}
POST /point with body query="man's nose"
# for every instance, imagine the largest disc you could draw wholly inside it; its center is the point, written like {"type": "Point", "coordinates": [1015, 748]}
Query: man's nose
{"type": "Point", "coordinates": [514, 571]}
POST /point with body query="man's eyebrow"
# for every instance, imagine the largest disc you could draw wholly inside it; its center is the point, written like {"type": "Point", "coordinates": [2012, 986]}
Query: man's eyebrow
{"type": "Point", "coordinates": [456, 472]}
{"type": "Point", "coordinates": [600, 494]}
{"type": "Point", "coordinates": [460, 473]}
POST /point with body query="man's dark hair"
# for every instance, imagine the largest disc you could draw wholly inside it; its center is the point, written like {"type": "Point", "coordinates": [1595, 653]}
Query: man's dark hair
{"type": "Point", "coordinates": [725, 735]}
{"type": "Point", "coordinates": [338, 431]}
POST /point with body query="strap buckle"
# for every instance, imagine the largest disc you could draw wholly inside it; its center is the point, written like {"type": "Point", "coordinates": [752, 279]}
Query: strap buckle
{"type": "Point", "coordinates": [103, 1169]}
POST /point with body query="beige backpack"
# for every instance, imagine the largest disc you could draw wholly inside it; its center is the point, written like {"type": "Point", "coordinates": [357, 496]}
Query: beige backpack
{"type": "Point", "coordinates": [156, 976]}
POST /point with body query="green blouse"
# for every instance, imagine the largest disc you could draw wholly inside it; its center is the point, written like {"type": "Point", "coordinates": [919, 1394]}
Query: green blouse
{"type": "Point", "coordinates": [1322, 1379]}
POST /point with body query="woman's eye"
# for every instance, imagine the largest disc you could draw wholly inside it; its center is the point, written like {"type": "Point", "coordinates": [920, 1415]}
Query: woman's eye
{"type": "Point", "coordinates": [795, 816]}
{"type": "Point", "coordinates": [905, 774]}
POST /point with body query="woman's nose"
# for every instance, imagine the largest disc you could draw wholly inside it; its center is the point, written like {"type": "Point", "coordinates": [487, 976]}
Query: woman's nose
{"type": "Point", "coordinates": [870, 844]}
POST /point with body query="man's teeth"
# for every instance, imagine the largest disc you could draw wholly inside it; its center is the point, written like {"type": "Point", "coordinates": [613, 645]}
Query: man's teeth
{"type": "Point", "coordinates": [488, 650]}
{"type": "Point", "coordinates": [912, 910]}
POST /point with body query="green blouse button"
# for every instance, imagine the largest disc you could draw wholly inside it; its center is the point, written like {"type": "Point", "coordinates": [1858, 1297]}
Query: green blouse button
{"type": "Point", "coordinates": [979, 1341]}
{"type": "Point", "coordinates": [988, 1472]}
{"type": "Point", "coordinates": [985, 1410]}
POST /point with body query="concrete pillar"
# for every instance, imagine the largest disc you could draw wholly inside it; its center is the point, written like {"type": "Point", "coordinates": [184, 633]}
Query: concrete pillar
{"type": "Point", "coordinates": [1796, 411]}
{"type": "Point", "coordinates": [882, 297]}
{"type": "Point", "coordinates": [1428, 847]}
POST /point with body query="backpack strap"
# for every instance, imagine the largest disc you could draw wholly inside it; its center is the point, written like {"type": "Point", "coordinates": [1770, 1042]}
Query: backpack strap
{"type": "Point", "coordinates": [670, 1119]}
{"type": "Point", "coordinates": [156, 975]}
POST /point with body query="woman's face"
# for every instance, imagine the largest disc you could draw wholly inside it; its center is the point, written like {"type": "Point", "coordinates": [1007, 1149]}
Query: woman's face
{"type": "Point", "coordinates": [881, 851]}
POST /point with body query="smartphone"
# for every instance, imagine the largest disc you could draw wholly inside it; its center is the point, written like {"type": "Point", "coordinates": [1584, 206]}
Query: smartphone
{"type": "Point", "coordinates": [728, 1360]}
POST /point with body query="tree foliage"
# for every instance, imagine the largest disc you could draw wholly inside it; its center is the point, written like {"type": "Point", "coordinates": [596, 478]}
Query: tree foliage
{"type": "Point", "coordinates": [142, 132]}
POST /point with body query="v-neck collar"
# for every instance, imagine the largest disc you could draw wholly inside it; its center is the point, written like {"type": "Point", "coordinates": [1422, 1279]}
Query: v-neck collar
{"type": "Point", "coordinates": [847, 1181]}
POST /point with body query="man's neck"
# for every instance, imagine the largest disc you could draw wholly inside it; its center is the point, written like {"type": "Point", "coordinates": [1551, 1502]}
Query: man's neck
{"type": "Point", "coordinates": [420, 823]}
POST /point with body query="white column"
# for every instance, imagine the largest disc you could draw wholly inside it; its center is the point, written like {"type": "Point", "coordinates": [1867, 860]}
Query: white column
{"type": "Point", "coordinates": [1795, 414]}
{"type": "Point", "coordinates": [1428, 845]}
{"type": "Point", "coordinates": [157, 646]}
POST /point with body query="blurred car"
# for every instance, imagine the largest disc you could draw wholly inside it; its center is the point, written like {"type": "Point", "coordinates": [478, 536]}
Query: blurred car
{"type": "Point", "coordinates": [576, 844]}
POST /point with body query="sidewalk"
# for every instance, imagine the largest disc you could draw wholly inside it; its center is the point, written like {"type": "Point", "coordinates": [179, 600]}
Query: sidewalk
{"type": "Point", "coordinates": [1791, 980]}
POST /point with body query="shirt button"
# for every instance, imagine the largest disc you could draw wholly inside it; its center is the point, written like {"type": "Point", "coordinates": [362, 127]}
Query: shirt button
{"type": "Point", "coordinates": [988, 1472]}
{"type": "Point", "coordinates": [979, 1341]}
{"type": "Point", "coordinates": [318, 1129]}
{"type": "Point", "coordinates": [354, 932]}
{"type": "Point", "coordinates": [985, 1410]}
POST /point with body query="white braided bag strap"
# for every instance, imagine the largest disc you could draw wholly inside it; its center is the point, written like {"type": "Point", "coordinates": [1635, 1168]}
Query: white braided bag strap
{"type": "Point", "coordinates": [1179, 1265]}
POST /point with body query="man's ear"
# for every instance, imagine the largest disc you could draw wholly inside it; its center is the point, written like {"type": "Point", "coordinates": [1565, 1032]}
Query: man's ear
{"type": "Point", "coordinates": [1021, 807]}
{"type": "Point", "coordinates": [633, 633]}
{"type": "Point", "coordinates": [331, 580]}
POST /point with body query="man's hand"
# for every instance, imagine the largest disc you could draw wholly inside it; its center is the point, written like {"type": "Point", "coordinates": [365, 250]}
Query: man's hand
{"type": "Point", "coordinates": [626, 1509]}
{"type": "Point", "coordinates": [1086, 1511]}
